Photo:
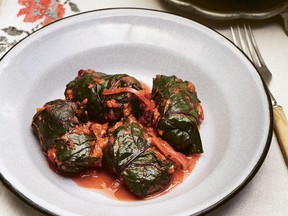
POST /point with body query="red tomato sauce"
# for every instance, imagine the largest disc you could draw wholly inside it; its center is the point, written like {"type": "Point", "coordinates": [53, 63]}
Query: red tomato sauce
{"type": "Point", "coordinates": [107, 184]}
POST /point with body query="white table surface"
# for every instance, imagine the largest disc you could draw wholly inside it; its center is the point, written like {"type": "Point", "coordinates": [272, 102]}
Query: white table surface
{"type": "Point", "coordinates": [267, 193]}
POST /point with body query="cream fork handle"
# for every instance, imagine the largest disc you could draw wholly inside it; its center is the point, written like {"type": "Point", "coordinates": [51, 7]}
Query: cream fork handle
{"type": "Point", "coordinates": [281, 130]}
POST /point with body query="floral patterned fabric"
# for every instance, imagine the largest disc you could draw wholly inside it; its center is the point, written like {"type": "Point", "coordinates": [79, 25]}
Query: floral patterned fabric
{"type": "Point", "coordinates": [19, 18]}
{"type": "Point", "coordinates": [45, 10]}
{"type": "Point", "coordinates": [29, 16]}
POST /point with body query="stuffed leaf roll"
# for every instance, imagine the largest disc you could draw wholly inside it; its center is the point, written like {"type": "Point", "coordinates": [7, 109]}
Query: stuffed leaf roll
{"type": "Point", "coordinates": [148, 173]}
{"type": "Point", "coordinates": [126, 141]}
{"type": "Point", "coordinates": [54, 119]}
{"type": "Point", "coordinates": [108, 97]}
{"type": "Point", "coordinates": [180, 113]}
{"type": "Point", "coordinates": [138, 163]}
{"type": "Point", "coordinates": [76, 151]}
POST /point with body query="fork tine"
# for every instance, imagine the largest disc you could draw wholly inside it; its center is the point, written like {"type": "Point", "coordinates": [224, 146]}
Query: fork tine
{"type": "Point", "coordinates": [246, 45]}
{"type": "Point", "coordinates": [255, 53]}
{"type": "Point", "coordinates": [234, 36]}
{"type": "Point", "coordinates": [243, 37]}
{"type": "Point", "coordinates": [239, 39]}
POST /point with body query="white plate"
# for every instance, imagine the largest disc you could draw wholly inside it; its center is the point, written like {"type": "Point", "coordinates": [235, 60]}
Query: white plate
{"type": "Point", "coordinates": [236, 132]}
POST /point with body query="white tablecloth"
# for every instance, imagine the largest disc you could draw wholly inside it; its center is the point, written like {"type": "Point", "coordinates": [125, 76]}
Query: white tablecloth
{"type": "Point", "coordinates": [267, 193]}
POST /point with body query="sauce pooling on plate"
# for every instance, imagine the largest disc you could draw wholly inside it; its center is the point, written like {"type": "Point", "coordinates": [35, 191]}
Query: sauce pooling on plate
{"type": "Point", "coordinates": [108, 185]}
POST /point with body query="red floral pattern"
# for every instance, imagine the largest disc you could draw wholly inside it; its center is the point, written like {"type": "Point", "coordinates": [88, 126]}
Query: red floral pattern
{"type": "Point", "coordinates": [32, 15]}
{"type": "Point", "coordinates": [45, 10]}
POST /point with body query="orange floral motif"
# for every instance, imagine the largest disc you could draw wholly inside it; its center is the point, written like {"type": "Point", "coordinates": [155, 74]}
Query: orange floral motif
{"type": "Point", "coordinates": [45, 10]}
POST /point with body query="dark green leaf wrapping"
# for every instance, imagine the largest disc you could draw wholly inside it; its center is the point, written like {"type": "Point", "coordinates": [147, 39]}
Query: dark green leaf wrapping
{"type": "Point", "coordinates": [73, 152]}
{"type": "Point", "coordinates": [177, 105]}
{"type": "Point", "coordinates": [131, 156]}
{"type": "Point", "coordinates": [89, 85]}
{"type": "Point", "coordinates": [125, 143]}
{"type": "Point", "coordinates": [147, 174]}
{"type": "Point", "coordinates": [54, 120]}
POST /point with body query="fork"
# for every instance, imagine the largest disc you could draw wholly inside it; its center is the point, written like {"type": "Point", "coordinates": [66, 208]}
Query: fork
{"type": "Point", "coordinates": [243, 37]}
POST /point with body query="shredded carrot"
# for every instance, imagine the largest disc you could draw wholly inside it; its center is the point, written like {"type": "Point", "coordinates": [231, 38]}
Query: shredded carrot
{"type": "Point", "coordinates": [200, 113]}
{"type": "Point", "coordinates": [99, 131]}
{"type": "Point", "coordinates": [81, 129]}
{"type": "Point", "coordinates": [69, 93]}
{"type": "Point", "coordinates": [169, 152]}
{"type": "Point", "coordinates": [140, 94]}
{"type": "Point", "coordinates": [191, 87]}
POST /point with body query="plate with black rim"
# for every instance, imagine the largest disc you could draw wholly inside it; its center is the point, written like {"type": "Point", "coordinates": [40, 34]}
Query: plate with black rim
{"type": "Point", "coordinates": [236, 132]}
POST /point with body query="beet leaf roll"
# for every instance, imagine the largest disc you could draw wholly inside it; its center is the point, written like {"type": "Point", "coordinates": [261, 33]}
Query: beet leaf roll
{"type": "Point", "coordinates": [54, 119]}
{"type": "Point", "coordinates": [180, 113]}
{"type": "Point", "coordinates": [77, 150]}
{"type": "Point", "coordinates": [133, 158]}
{"type": "Point", "coordinates": [108, 97]}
